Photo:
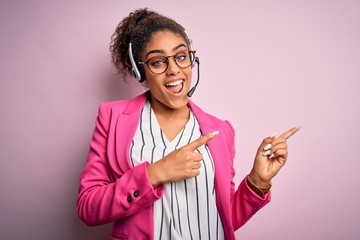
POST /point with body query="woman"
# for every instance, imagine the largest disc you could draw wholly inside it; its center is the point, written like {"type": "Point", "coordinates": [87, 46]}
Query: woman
{"type": "Point", "coordinates": [159, 167]}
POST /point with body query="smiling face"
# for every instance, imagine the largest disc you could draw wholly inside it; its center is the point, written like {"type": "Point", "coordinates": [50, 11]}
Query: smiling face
{"type": "Point", "coordinates": [169, 89]}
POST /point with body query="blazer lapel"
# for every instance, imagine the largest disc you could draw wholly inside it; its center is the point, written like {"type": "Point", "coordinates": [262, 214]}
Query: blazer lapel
{"type": "Point", "coordinates": [221, 157]}
{"type": "Point", "coordinates": [126, 125]}
{"type": "Point", "coordinates": [218, 147]}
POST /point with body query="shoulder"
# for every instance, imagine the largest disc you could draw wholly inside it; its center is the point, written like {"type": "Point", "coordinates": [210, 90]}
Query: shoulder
{"type": "Point", "coordinates": [118, 105]}
{"type": "Point", "coordinates": [127, 106]}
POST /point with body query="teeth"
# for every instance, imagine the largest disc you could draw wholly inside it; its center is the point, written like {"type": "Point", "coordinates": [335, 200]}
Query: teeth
{"type": "Point", "coordinates": [173, 84]}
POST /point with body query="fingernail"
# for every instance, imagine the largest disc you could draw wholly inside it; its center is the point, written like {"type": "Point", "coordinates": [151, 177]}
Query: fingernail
{"type": "Point", "coordinates": [298, 127]}
{"type": "Point", "coordinates": [267, 147]}
{"type": "Point", "coordinates": [266, 153]}
{"type": "Point", "coordinates": [271, 156]}
{"type": "Point", "coordinates": [273, 135]}
{"type": "Point", "coordinates": [215, 133]}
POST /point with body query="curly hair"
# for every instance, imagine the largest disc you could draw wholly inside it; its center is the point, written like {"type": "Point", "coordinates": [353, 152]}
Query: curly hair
{"type": "Point", "coordinates": [138, 28]}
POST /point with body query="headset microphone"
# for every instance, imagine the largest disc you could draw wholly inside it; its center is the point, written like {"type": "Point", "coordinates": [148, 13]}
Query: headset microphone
{"type": "Point", "coordinates": [192, 90]}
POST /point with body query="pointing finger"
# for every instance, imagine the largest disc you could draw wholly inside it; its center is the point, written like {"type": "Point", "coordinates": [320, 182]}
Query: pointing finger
{"type": "Point", "coordinates": [290, 132]}
{"type": "Point", "coordinates": [201, 141]}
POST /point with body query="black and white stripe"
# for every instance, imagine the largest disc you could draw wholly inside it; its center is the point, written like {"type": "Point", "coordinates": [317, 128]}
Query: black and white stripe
{"type": "Point", "coordinates": [188, 208]}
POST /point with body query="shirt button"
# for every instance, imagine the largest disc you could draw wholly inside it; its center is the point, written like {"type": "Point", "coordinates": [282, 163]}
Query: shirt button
{"type": "Point", "coordinates": [129, 199]}
{"type": "Point", "coordinates": [136, 194]}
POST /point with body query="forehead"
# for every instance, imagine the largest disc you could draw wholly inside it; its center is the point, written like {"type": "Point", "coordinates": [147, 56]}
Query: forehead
{"type": "Point", "coordinates": [165, 41]}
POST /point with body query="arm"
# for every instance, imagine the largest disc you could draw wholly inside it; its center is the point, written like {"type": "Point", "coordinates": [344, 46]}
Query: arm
{"type": "Point", "coordinates": [103, 198]}
{"type": "Point", "coordinates": [244, 202]}
{"type": "Point", "coordinates": [253, 192]}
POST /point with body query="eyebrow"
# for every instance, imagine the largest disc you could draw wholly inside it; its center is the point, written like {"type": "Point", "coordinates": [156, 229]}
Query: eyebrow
{"type": "Point", "coordinates": [162, 51]}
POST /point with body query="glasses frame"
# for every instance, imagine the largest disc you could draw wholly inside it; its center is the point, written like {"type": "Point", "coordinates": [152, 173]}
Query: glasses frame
{"type": "Point", "coordinates": [167, 60]}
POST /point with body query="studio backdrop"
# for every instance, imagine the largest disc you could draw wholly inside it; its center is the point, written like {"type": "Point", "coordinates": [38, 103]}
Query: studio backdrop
{"type": "Point", "coordinates": [266, 66]}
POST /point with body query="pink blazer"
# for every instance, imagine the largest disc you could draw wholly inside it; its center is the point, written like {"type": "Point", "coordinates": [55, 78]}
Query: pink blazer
{"type": "Point", "coordinates": [112, 191]}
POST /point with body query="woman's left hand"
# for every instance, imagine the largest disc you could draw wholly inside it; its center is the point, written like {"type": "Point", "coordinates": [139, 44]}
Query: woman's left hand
{"type": "Point", "coordinates": [270, 158]}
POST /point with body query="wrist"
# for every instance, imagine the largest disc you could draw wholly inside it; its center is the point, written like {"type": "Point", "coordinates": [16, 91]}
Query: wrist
{"type": "Point", "coordinates": [259, 187]}
{"type": "Point", "coordinates": [256, 180]}
{"type": "Point", "coordinates": [154, 175]}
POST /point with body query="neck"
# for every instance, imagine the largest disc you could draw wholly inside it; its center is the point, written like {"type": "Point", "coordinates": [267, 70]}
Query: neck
{"type": "Point", "coordinates": [165, 112]}
{"type": "Point", "coordinates": [171, 120]}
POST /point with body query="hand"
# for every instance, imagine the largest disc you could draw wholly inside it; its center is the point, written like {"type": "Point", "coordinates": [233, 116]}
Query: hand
{"type": "Point", "coordinates": [180, 164]}
{"type": "Point", "coordinates": [270, 158]}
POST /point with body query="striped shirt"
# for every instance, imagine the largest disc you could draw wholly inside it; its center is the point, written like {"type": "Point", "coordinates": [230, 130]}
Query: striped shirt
{"type": "Point", "coordinates": [187, 209]}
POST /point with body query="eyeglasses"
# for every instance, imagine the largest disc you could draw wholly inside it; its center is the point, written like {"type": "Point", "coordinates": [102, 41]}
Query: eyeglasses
{"type": "Point", "coordinates": [159, 64]}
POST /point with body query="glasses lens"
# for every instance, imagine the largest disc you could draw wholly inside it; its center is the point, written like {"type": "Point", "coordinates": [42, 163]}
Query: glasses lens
{"type": "Point", "coordinates": [158, 64]}
{"type": "Point", "coordinates": [184, 59]}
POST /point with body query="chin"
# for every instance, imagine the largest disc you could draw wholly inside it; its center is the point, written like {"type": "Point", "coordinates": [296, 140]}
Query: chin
{"type": "Point", "coordinates": [179, 103]}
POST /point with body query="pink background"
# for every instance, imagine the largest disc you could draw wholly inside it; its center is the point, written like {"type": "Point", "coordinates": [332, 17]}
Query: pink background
{"type": "Point", "coordinates": [265, 66]}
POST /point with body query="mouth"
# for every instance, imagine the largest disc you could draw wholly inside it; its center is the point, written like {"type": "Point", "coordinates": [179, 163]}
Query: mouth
{"type": "Point", "coordinates": [175, 87]}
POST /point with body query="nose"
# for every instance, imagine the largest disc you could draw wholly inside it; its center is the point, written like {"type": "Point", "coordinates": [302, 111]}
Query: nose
{"type": "Point", "coordinates": [173, 68]}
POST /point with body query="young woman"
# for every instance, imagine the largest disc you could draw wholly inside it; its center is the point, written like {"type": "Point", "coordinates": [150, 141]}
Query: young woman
{"type": "Point", "coordinates": [159, 167]}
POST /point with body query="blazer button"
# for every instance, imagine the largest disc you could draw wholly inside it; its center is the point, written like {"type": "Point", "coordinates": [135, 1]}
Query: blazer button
{"type": "Point", "coordinates": [136, 194]}
{"type": "Point", "coordinates": [129, 199]}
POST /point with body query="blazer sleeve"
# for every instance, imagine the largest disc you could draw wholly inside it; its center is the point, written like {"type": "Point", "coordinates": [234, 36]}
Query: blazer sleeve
{"type": "Point", "coordinates": [244, 201]}
{"type": "Point", "coordinates": [104, 198]}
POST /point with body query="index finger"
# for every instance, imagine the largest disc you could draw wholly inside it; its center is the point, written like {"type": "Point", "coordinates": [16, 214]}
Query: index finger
{"type": "Point", "coordinates": [201, 140]}
{"type": "Point", "coordinates": [290, 132]}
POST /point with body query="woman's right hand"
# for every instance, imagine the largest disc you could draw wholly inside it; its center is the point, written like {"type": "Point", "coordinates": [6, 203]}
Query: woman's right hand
{"type": "Point", "coordinates": [180, 164]}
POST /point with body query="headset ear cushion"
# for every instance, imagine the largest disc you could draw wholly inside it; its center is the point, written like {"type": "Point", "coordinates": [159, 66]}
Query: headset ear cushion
{"type": "Point", "coordinates": [133, 73]}
{"type": "Point", "coordinates": [136, 73]}
{"type": "Point", "coordinates": [141, 72]}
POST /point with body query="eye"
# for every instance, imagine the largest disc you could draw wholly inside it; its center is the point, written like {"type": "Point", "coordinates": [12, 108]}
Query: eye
{"type": "Point", "coordinates": [157, 61]}
{"type": "Point", "coordinates": [181, 56]}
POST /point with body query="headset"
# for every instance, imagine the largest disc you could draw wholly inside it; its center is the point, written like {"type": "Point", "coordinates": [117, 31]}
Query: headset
{"type": "Point", "coordinates": [137, 75]}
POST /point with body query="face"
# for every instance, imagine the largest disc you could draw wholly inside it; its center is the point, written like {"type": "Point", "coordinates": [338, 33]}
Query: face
{"type": "Point", "coordinates": [169, 89]}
